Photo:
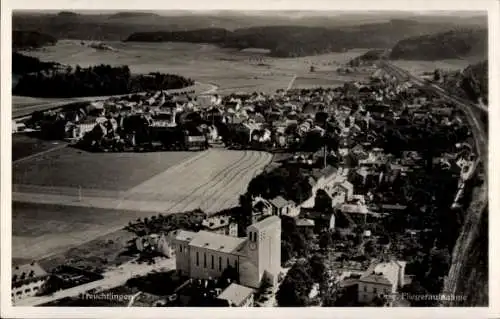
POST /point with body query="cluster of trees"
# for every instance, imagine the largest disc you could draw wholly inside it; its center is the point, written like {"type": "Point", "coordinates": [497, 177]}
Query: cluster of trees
{"type": "Point", "coordinates": [416, 138]}
{"type": "Point", "coordinates": [155, 224]}
{"type": "Point", "coordinates": [294, 243]}
{"type": "Point", "coordinates": [31, 39]}
{"type": "Point", "coordinates": [446, 45]}
{"type": "Point", "coordinates": [22, 64]}
{"type": "Point", "coordinates": [295, 288]}
{"type": "Point", "coordinates": [289, 181]}
{"type": "Point", "coordinates": [100, 80]}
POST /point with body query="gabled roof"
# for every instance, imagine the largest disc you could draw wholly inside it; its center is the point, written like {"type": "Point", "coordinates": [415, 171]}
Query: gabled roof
{"type": "Point", "coordinates": [236, 294]}
{"type": "Point", "coordinates": [279, 202]}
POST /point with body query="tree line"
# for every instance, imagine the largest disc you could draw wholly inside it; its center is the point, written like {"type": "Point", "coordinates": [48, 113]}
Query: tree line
{"type": "Point", "coordinates": [31, 39]}
{"type": "Point", "coordinates": [100, 80]}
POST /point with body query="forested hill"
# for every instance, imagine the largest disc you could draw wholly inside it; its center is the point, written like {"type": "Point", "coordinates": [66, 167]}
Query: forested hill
{"type": "Point", "coordinates": [22, 64]}
{"type": "Point", "coordinates": [291, 41]}
{"type": "Point", "coordinates": [212, 35]}
{"type": "Point", "coordinates": [31, 39]}
{"type": "Point", "coordinates": [445, 45]}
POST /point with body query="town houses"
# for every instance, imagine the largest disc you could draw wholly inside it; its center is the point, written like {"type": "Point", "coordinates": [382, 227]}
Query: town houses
{"type": "Point", "coordinates": [353, 180]}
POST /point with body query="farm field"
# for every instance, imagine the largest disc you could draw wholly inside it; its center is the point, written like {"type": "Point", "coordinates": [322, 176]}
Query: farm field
{"type": "Point", "coordinates": [231, 70]}
{"type": "Point", "coordinates": [48, 221]}
{"type": "Point", "coordinates": [73, 168]}
{"type": "Point", "coordinates": [23, 146]}
{"type": "Point", "coordinates": [417, 67]}
{"type": "Point", "coordinates": [40, 231]}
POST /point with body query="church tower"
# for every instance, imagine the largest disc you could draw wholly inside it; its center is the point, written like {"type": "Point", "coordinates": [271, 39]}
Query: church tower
{"type": "Point", "coordinates": [263, 252]}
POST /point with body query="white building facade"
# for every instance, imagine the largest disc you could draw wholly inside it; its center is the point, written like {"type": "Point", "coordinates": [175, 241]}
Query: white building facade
{"type": "Point", "coordinates": [256, 258]}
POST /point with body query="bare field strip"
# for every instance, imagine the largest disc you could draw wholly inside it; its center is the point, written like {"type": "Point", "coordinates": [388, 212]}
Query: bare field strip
{"type": "Point", "coordinates": [213, 182]}
{"type": "Point", "coordinates": [71, 167]}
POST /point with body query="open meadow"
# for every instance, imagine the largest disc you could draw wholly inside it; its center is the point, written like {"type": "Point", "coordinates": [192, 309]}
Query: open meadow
{"type": "Point", "coordinates": [50, 219]}
{"type": "Point", "coordinates": [230, 69]}
{"type": "Point", "coordinates": [417, 67]}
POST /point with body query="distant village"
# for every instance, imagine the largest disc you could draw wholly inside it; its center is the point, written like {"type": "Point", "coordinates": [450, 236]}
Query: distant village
{"type": "Point", "coordinates": [359, 164]}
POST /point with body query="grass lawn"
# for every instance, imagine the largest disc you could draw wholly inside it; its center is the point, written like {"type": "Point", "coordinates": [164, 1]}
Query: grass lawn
{"type": "Point", "coordinates": [69, 167]}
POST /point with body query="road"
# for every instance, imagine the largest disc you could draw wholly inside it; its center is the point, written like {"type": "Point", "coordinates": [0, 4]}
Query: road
{"type": "Point", "coordinates": [290, 85]}
{"type": "Point", "coordinates": [112, 278]}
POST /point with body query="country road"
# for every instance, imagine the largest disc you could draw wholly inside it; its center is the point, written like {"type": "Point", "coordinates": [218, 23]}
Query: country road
{"type": "Point", "coordinates": [292, 81]}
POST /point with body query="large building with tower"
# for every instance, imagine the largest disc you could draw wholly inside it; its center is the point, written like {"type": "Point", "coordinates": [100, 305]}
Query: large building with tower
{"type": "Point", "coordinates": [256, 258]}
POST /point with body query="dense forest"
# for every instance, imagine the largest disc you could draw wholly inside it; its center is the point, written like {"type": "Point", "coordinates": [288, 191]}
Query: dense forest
{"type": "Point", "coordinates": [292, 41]}
{"type": "Point", "coordinates": [116, 26]}
{"type": "Point", "coordinates": [98, 80]}
{"type": "Point", "coordinates": [22, 64]}
{"type": "Point", "coordinates": [446, 45]}
{"type": "Point", "coordinates": [31, 39]}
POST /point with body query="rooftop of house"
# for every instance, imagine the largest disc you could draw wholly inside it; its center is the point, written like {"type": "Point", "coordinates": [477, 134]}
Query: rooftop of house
{"type": "Point", "coordinates": [354, 209]}
{"type": "Point", "coordinates": [214, 223]}
{"type": "Point", "coordinates": [27, 271]}
{"type": "Point", "coordinates": [213, 241]}
{"type": "Point", "coordinates": [304, 222]}
{"type": "Point", "coordinates": [394, 206]}
{"type": "Point", "coordinates": [279, 202]}
{"type": "Point", "coordinates": [383, 273]}
{"type": "Point", "coordinates": [324, 172]}
{"type": "Point", "coordinates": [236, 294]}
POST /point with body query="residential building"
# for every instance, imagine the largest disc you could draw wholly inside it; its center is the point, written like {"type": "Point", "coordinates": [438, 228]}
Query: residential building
{"type": "Point", "coordinates": [283, 207]}
{"type": "Point", "coordinates": [220, 224]}
{"type": "Point", "coordinates": [28, 280]}
{"type": "Point", "coordinates": [256, 257]}
{"type": "Point", "coordinates": [382, 279]}
{"type": "Point", "coordinates": [238, 295]}
{"type": "Point", "coordinates": [159, 243]}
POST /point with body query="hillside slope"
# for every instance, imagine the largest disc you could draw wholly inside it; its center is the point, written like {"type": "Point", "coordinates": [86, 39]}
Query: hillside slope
{"type": "Point", "coordinates": [293, 41]}
{"type": "Point", "coordinates": [468, 275]}
{"type": "Point", "coordinates": [446, 45]}
{"type": "Point", "coordinates": [285, 34]}
{"type": "Point", "coordinates": [22, 39]}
